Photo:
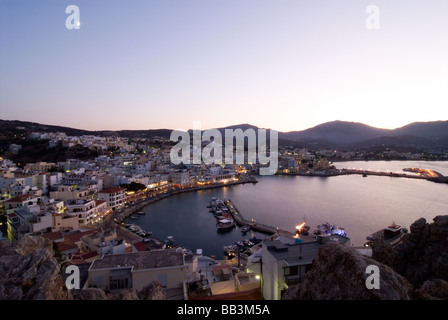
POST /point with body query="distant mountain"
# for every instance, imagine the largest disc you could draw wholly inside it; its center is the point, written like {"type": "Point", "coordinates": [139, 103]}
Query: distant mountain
{"type": "Point", "coordinates": [18, 127]}
{"type": "Point", "coordinates": [432, 129]}
{"type": "Point", "coordinates": [326, 135]}
{"type": "Point", "coordinates": [336, 132]}
{"type": "Point", "coordinates": [353, 134]}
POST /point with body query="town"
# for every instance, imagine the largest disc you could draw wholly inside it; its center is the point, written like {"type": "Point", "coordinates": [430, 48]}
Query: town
{"type": "Point", "coordinates": [81, 206]}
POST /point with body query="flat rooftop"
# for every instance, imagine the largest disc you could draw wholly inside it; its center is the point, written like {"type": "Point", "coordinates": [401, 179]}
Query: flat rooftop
{"type": "Point", "coordinates": [296, 254]}
{"type": "Point", "coordinates": [141, 260]}
{"type": "Point", "coordinates": [300, 253]}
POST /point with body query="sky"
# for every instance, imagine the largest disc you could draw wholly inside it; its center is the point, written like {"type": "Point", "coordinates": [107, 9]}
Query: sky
{"type": "Point", "coordinates": [280, 64]}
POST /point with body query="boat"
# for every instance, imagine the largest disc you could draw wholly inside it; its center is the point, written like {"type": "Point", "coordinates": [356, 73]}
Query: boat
{"type": "Point", "coordinates": [142, 213]}
{"type": "Point", "coordinates": [327, 228]}
{"type": "Point", "coordinates": [231, 250]}
{"type": "Point", "coordinates": [169, 240]}
{"type": "Point", "coordinates": [302, 229]}
{"type": "Point", "coordinates": [245, 229]}
{"type": "Point", "coordinates": [392, 234]}
{"type": "Point", "coordinates": [144, 233]}
{"type": "Point", "coordinates": [255, 240]}
{"type": "Point", "coordinates": [134, 217]}
{"type": "Point", "coordinates": [225, 224]}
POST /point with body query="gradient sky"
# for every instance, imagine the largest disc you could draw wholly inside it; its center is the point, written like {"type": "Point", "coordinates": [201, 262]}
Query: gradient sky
{"type": "Point", "coordinates": [280, 64]}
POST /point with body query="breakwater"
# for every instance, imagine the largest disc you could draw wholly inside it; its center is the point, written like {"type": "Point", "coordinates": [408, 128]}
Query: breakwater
{"type": "Point", "coordinates": [434, 176]}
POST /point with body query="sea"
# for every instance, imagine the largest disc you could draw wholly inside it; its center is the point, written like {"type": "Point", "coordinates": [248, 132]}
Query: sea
{"type": "Point", "coordinates": [360, 205]}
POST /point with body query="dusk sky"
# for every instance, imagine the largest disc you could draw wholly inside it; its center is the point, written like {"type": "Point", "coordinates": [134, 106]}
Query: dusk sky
{"type": "Point", "coordinates": [280, 64]}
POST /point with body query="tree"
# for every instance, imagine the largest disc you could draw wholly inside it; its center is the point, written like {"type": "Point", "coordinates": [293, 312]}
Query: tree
{"type": "Point", "coordinates": [133, 186]}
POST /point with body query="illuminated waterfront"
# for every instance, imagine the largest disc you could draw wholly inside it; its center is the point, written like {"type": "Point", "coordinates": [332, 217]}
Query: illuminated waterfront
{"type": "Point", "coordinates": [360, 205]}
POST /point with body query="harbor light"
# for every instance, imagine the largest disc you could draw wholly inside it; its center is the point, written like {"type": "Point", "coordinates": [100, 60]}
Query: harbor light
{"type": "Point", "coordinates": [300, 226]}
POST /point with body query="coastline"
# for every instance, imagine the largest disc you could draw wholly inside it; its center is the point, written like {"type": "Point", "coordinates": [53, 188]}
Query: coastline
{"type": "Point", "coordinates": [123, 214]}
{"type": "Point", "coordinates": [120, 216]}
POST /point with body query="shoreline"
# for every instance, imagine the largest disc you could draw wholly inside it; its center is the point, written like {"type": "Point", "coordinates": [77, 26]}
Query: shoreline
{"type": "Point", "coordinates": [120, 216]}
{"type": "Point", "coordinates": [127, 212]}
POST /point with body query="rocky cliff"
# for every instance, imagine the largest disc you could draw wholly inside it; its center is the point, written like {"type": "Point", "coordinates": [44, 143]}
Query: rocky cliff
{"type": "Point", "coordinates": [339, 273]}
{"type": "Point", "coordinates": [417, 268]}
{"type": "Point", "coordinates": [422, 256]}
{"type": "Point", "coordinates": [29, 271]}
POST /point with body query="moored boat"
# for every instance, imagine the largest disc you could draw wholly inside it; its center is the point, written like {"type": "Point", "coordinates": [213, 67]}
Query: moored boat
{"type": "Point", "coordinates": [327, 228]}
{"type": "Point", "coordinates": [225, 224]}
{"type": "Point", "coordinates": [392, 234]}
{"type": "Point", "coordinates": [302, 229]}
{"type": "Point", "coordinates": [169, 240]}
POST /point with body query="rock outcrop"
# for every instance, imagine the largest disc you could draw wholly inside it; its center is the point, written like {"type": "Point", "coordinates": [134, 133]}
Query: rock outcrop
{"type": "Point", "coordinates": [339, 273]}
{"type": "Point", "coordinates": [153, 291]}
{"type": "Point", "coordinates": [91, 294]}
{"type": "Point", "coordinates": [433, 290]}
{"type": "Point", "coordinates": [28, 270]}
{"type": "Point", "coordinates": [423, 253]}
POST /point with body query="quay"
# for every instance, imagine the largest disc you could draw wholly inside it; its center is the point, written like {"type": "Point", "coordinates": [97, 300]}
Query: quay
{"type": "Point", "coordinates": [256, 226]}
{"type": "Point", "coordinates": [120, 215]}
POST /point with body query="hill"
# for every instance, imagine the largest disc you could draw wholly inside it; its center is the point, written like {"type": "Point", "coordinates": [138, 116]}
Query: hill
{"type": "Point", "coordinates": [349, 135]}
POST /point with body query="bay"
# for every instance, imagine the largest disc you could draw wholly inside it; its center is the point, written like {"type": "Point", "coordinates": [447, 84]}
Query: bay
{"type": "Point", "coordinates": [361, 205]}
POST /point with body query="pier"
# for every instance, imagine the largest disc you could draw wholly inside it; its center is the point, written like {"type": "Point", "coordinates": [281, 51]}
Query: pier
{"type": "Point", "coordinates": [423, 174]}
{"type": "Point", "coordinates": [256, 226]}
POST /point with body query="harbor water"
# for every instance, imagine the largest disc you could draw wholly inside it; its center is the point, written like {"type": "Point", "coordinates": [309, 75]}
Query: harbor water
{"type": "Point", "coordinates": [361, 205]}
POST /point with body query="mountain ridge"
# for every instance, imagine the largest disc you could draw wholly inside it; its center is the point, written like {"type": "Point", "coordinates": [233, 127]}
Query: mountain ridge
{"type": "Point", "coordinates": [330, 134]}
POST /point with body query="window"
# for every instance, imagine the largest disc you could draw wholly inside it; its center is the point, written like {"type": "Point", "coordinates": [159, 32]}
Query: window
{"type": "Point", "coordinates": [291, 271]}
{"type": "Point", "coordinates": [119, 284]}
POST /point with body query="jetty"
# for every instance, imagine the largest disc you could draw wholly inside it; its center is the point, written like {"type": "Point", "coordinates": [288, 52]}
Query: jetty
{"type": "Point", "coordinates": [416, 173]}
{"type": "Point", "coordinates": [260, 227]}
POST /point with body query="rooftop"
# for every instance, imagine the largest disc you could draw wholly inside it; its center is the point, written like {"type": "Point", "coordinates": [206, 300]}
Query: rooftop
{"type": "Point", "coordinates": [112, 190]}
{"type": "Point", "coordinates": [141, 260]}
{"type": "Point", "coordinates": [21, 198]}
{"type": "Point", "coordinates": [295, 254]}
{"type": "Point", "coordinates": [301, 253]}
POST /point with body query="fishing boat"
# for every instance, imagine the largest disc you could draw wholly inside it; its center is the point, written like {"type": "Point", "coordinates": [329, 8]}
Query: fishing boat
{"type": "Point", "coordinates": [231, 250]}
{"type": "Point", "coordinates": [225, 224]}
{"type": "Point", "coordinates": [144, 233]}
{"type": "Point", "coordinates": [392, 234]}
{"type": "Point", "coordinates": [302, 229]}
{"type": "Point", "coordinates": [327, 228]}
{"type": "Point", "coordinates": [169, 240]}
